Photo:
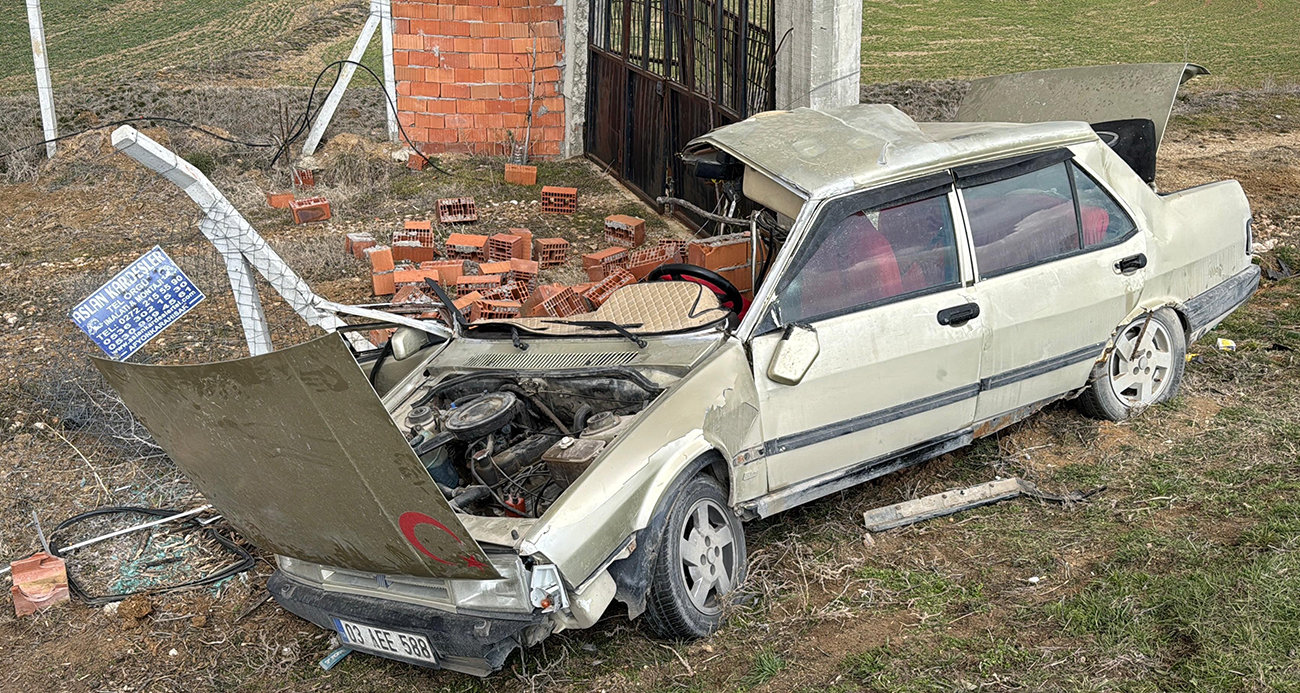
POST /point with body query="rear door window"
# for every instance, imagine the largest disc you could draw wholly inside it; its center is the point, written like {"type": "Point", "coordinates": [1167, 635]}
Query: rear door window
{"type": "Point", "coordinates": [1023, 221]}
{"type": "Point", "coordinates": [1104, 221]}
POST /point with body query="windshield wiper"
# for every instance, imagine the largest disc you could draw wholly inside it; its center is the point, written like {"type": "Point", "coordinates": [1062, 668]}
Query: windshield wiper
{"type": "Point", "coordinates": [604, 325]}
{"type": "Point", "coordinates": [452, 311]}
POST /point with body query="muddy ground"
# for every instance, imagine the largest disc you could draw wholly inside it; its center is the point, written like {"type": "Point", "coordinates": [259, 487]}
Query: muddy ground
{"type": "Point", "coordinates": [1017, 596]}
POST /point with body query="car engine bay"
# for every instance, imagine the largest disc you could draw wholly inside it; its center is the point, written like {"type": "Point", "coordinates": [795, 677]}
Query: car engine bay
{"type": "Point", "coordinates": [508, 444]}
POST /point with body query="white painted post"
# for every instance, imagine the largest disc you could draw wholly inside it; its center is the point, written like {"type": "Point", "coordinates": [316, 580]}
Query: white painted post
{"type": "Point", "coordinates": [390, 75]}
{"type": "Point", "coordinates": [237, 241]}
{"type": "Point", "coordinates": [820, 63]}
{"type": "Point", "coordinates": [345, 76]}
{"type": "Point", "coordinates": [44, 90]}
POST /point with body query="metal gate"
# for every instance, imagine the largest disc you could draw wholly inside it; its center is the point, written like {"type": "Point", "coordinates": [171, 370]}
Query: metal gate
{"type": "Point", "coordinates": [662, 72]}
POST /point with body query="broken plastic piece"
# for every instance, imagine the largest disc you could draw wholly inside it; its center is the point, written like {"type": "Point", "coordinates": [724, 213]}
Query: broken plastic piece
{"type": "Point", "coordinates": [950, 502]}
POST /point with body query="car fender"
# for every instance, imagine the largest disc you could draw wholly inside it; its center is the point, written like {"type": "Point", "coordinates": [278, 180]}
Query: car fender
{"type": "Point", "coordinates": [707, 416]}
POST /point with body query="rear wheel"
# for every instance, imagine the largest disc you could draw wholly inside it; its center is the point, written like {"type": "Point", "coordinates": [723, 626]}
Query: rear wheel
{"type": "Point", "coordinates": [1144, 368]}
{"type": "Point", "coordinates": [701, 561]}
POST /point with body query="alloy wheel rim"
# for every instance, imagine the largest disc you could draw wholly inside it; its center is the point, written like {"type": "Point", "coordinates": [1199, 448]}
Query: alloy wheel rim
{"type": "Point", "coordinates": [707, 548]}
{"type": "Point", "coordinates": [1141, 363]}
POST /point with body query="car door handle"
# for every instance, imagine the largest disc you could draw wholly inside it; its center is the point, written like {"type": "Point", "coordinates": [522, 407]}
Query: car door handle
{"type": "Point", "coordinates": [1131, 263]}
{"type": "Point", "coordinates": [959, 315]}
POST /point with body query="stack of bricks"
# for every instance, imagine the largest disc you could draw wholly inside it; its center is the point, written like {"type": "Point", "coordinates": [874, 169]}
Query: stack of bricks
{"type": "Point", "coordinates": [623, 230]}
{"type": "Point", "coordinates": [464, 70]}
{"type": "Point", "coordinates": [504, 246]}
{"type": "Point", "coordinates": [728, 255]}
{"type": "Point", "coordinates": [381, 269]}
{"type": "Point", "coordinates": [467, 246]}
{"type": "Point", "coordinates": [642, 261]}
{"type": "Point", "coordinates": [600, 292]}
{"type": "Point", "coordinates": [555, 301]}
{"type": "Point", "coordinates": [599, 263]}
{"type": "Point", "coordinates": [550, 252]}
{"type": "Point", "coordinates": [356, 244]}
{"type": "Point", "coordinates": [481, 283]}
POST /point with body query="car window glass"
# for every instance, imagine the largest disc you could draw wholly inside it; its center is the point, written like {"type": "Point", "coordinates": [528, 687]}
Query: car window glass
{"type": "Point", "coordinates": [1103, 219]}
{"type": "Point", "coordinates": [870, 256]}
{"type": "Point", "coordinates": [1023, 220]}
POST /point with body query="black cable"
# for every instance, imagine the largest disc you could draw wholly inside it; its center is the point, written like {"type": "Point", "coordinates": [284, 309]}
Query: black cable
{"type": "Point", "coordinates": [300, 125]}
{"type": "Point", "coordinates": [137, 119]}
{"type": "Point", "coordinates": [245, 562]}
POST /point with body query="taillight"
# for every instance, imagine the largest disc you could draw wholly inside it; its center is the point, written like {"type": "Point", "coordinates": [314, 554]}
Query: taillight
{"type": "Point", "coordinates": [1250, 234]}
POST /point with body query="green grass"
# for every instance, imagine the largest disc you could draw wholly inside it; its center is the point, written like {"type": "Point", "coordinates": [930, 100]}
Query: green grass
{"type": "Point", "coordinates": [95, 38]}
{"type": "Point", "coordinates": [1240, 41]}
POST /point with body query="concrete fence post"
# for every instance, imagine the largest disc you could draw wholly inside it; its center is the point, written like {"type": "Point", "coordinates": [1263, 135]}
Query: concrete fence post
{"type": "Point", "coordinates": [44, 89]}
{"type": "Point", "coordinates": [820, 65]}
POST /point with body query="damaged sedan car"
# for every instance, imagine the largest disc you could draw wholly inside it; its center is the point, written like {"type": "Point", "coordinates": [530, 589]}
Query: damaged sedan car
{"type": "Point", "coordinates": [475, 488]}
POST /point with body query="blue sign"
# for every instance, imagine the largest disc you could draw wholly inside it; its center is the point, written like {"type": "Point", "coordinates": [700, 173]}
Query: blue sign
{"type": "Point", "coordinates": [136, 305]}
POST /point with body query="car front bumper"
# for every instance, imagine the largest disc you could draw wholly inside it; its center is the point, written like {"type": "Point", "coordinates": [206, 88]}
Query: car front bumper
{"type": "Point", "coordinates": [471, 643]}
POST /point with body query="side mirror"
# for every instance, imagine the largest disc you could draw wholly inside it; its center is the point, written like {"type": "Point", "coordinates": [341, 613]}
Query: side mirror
{"type": "Point", "coordinates": [794, 354]}
{"type": "Point", "coordinates": [406, 341]}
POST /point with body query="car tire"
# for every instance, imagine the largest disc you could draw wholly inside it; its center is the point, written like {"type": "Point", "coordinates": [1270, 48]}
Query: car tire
{"type": "Point", "coordinates": [696, 569]}
{"type": "Point", "coordinates": [1122, 386]}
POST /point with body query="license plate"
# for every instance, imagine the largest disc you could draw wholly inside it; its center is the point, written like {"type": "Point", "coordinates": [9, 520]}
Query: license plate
{"type": "Point", "coordinates": [385, 642]}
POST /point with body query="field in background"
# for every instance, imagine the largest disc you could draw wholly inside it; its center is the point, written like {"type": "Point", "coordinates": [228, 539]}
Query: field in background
{"type": "Point", "coordinates": [1245, 43]}
{"type": "Point", "coordinates": [215, 41]}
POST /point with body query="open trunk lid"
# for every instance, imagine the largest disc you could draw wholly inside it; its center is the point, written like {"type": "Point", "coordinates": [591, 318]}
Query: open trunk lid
{"type": "Point", "coordinates": [297, 451]}
{"type": "Point", "coordinates": [1128, 105]}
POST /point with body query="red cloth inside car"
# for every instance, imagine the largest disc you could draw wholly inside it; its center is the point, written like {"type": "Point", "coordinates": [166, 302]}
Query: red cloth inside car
{"type": "Point", "coordinates": [860, 265]}
{"type": "Point", "coordinates": [1096, 221]}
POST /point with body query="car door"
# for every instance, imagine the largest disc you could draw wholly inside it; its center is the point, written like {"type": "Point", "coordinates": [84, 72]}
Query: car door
{"type": "Point", "coordinates": [1060, 265]}
{"type": "Point", "coordinates": [872, 305]}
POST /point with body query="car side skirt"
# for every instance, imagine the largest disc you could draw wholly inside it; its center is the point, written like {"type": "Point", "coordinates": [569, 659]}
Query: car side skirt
{"type": "Point", "coordinates": [1206, 310]}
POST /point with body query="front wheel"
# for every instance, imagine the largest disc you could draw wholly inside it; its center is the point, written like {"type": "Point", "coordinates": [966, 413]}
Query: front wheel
{"type": "Point", "coordinates": [701, 561]}
{"type": "Point", "coordinates": [1144, 368]}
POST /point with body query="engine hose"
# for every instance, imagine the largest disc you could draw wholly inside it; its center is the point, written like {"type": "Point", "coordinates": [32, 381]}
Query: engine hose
{"type": "Point", "coordinates": [545, 410]}
{"type": "Point", "coordinates": [580, 418]}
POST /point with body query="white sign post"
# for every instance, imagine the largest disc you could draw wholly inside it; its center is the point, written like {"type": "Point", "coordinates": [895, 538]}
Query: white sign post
{"type": "Point", "coordinates": [44, 90]}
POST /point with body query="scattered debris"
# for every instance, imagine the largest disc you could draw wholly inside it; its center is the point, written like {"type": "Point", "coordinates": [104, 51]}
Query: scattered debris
{"type": "Point", "coordinates": [39, 582]}
{"type": "Point", "coordinates": [1225, 344]}
{"type": "Point", "coordinates": [333, 658]}
{"type": "Point", "coordinates": [457, 210]}
{"type": "Point", "coordinates": [466, 246]}
{"type": "Point", "coordinates": [950, 502]}
{"type": "Point", "coordinates": [310, 210]}
{"type": "Point", "coordinates": [135, 607]}
{"type": "Point", "coordinates": [520, 174]}
{"type": "Point", "coordinates": [304, 178]}
{"type": "Point", "coordinates": [623, 230]}
{"type": "Point", "coordinates": [279, 200]}
{"type": "Point", "coordinates": [557, 200]}
{"type": "Point", "coordinates": [601, 262]}
{"type": "Point", "coordinates": [551, 252]}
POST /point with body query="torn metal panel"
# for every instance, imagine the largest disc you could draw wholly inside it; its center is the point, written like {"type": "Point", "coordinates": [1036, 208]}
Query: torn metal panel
{"type": "Point", "coordinates": [1096, 94]}
{"type": "Point", "coordinates": [298, 452]}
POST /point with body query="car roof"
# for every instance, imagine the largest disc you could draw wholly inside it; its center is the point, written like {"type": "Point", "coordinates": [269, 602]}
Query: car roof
{"type": "Point", "coordinates": [824, 152]}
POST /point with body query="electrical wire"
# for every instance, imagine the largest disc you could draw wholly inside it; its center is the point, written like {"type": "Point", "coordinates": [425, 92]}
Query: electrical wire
{"type": "Point", "coordinates": [244, 563]}
{"type": "Point", "coordinates": [299, 127]}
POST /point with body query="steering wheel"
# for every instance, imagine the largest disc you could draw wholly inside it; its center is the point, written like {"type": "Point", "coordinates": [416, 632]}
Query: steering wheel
{"type": "Point", "coordinates": [728, 295]}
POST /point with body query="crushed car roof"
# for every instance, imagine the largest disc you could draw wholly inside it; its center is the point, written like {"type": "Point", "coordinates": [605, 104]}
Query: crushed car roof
{"type": "Point", "coordinates": [823, 152]}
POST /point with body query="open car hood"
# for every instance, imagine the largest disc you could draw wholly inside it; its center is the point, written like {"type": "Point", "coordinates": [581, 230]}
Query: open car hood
{"type": "Point", "coordinates": [1128, 105]}
{"type": "Point", "coordinates": [297, 451]}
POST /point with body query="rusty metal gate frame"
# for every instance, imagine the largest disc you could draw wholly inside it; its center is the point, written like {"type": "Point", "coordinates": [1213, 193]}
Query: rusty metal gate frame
{"type": "Point", "coordinates": [649, 92]}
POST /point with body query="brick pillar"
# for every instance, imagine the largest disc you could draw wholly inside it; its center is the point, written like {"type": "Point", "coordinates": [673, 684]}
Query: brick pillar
{"type": "Point", "coordinates": [465, 69]}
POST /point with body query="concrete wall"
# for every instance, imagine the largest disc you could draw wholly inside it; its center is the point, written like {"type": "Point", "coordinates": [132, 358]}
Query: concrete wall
{"type": "Point", "coordinates": [820, 63]}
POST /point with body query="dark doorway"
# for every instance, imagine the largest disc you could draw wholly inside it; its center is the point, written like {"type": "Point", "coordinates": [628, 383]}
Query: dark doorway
{"type": "Point", "coordinates": [662, 72]}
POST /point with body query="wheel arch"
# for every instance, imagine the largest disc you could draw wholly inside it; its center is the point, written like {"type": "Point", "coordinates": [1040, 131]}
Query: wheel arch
{"type": "Point", "coordinates": [632, 574]}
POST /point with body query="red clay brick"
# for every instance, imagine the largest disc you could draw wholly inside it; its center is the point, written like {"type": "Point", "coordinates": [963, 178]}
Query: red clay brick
{"type": "Point", "coordinates": [310, 210]}
{"type": "Point", "coordinates": [381, 258]}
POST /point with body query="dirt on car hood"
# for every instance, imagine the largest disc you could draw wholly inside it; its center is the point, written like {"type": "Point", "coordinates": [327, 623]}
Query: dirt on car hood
{"type": "Point", "coordinates": [296, 450]}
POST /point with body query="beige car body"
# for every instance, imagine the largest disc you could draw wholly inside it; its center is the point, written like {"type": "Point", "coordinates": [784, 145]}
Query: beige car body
{"type": "Point", "coordinates": [783, 417]}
